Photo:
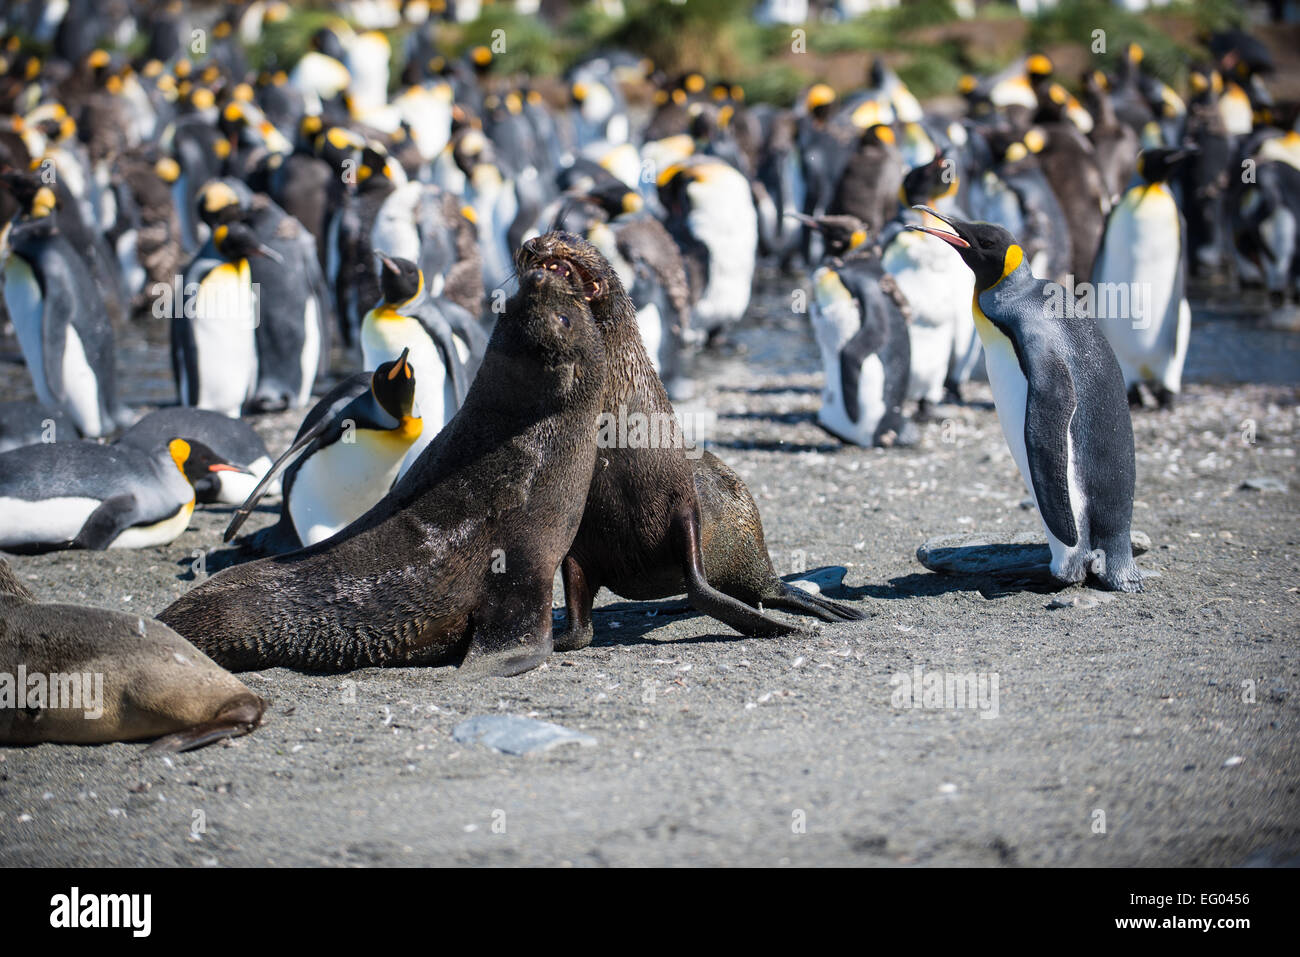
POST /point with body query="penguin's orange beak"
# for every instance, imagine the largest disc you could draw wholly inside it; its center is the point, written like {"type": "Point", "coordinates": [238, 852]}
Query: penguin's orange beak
{"type": "Point", "coordinates": [225, 467]}
{"type": "Point", "coordinates": [951, 238]}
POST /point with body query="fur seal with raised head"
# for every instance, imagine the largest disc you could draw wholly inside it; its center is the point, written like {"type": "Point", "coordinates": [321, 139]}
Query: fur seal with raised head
{"type": "Point", "coordinates": [92, 676]}
{"type": "Point", "coordinates": [657, 522]}
{"type": "Point", "coordinates": [461, 555]}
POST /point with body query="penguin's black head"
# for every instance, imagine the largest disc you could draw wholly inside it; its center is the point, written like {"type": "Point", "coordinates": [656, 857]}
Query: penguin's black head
{"type": "Point", "coordinates": [843, 234]}
{"type": "Point", "coordinates": [400, 280]}
{"type": "Point", "coordinates": [222, 201]}
{"type": "Point", "coordinates": [937, 179]}
{"type": "Point", "coordinates": [236, 241]}
{"type": "Point", "coordinates": [393, 385]}
{"type": "Point", "coordinates": [326, 41]}
{"type": "Point", "coordinates": [1157, 165]}
{"type": "Point", "coordinates": [201, 466]}
{"type": "Point", "coordinates": [990, 251]}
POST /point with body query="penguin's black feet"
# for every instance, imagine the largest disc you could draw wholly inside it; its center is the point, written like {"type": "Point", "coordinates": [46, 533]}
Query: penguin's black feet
{"type": "Point", "coordinates": [1165, 398]}
{"type": "Point", "coordinates": [924, 411]}
{"type": "Point", "coordinates": [1135, 396]}
{"type": "Point", "coordinates": [952, 393]}
{"type": "Point", "coordinates": [1276, 298]}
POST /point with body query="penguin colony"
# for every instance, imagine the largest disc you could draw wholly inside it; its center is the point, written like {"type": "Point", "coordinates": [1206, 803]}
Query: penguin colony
{"type": "Point", "coordinates": [331, 236]}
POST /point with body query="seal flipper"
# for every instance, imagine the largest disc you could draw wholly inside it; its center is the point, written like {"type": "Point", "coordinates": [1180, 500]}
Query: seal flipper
{"type": "Point", "coordinates": [790, 598]}
{"type": "Point", "coordinates": [1049, 413]}
{"type": "Point", "coordinates": [113, 516]}
{"type": "Point", "coordinates": [511, 634]}
{"type": "Point", "coordinates": [684, 531]}
{"type": "Point", "coordinates": [579, 593]}
{"type": "Point", "coordinates": [236, 719]}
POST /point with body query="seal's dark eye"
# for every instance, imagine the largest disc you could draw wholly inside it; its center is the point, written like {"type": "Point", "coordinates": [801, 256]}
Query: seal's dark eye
{"type": "Point", "coordinates": [564, 321]}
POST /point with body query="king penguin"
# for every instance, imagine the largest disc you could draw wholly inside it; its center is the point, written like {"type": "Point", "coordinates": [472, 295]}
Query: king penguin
{"type": "Point", "coordinates": [63, 330]}
{"type": "Point", "coordinates": [1143, 260]}
{"type": "Point", "coordinates": [344, 459]}
{"type": "Point", "coordinates": [82, 494]}
{"type": "Point", "coordinates": [406, 318]}
{"type": "Point", "coordinates": [1060, 398]}
{"type": "Point", "coordinates": [214, 341]}
{"type": "Point", "coordinates": [859, 318]}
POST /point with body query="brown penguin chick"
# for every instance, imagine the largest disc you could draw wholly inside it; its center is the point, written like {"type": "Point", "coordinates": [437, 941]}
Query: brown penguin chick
{"type": "Point", "coordinates": [158, 236]}
{"type": "Point", "coordinates": [1069, 162]}
{"type": "Point", "coordinates": [464, 282]}
{"type": "Point", "coordinates": [460, 557]}
{"type": "Point", "coordinates": [868, 187]}
{"type": "Point", "coordinates": [658, 523]}
{"type": "Point", "coordinates": [1117, 144]}
{"type": "Point", "coordinates": [110, 676]}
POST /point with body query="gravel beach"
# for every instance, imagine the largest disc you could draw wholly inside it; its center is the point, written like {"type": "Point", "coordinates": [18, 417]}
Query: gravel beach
{"type": "Point", "coordinates": [1152, 729]}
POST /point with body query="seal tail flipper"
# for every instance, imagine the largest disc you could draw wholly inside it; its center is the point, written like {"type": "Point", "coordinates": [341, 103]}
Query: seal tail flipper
{"type": "Point", "coordinates": [685, 532]}
{"type": "Point", "coordinates": [234, 720]}
{"type": "Point", "coordinates": [798, 600]}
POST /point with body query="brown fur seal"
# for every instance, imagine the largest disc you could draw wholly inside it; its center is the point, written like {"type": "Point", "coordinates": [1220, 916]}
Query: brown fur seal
{"type": "Point", "coordinates": [90, 676]}
{"type": "Point", "coordinates": [657, 523]}
{"type": "Point", "coordinates": [461, 555]}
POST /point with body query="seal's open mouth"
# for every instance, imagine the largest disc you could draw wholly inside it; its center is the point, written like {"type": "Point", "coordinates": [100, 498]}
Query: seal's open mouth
{"type": "Point", "coordinates": [586, 284]}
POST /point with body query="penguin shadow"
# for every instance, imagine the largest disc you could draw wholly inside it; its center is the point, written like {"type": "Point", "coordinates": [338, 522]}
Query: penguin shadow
{"type": "Point", "coordinates": [245, 548]}
{"type": "Point", "coordinates": [929, 584]}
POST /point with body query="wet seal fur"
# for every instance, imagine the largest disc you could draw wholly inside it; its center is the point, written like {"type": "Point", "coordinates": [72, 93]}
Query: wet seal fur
{"type": "Point", "coordinates": [658, 523]}
{"type": "Point", "coordinates": [461, 555]}
{"type": "Point", "coordinates": [154, 681]}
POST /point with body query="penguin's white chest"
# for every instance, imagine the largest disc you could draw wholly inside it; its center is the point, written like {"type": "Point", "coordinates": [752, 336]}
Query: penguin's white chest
{"type": "Point", "coordinates": [723, 218]}
{"type": "Point", "coordinates": [836, 319]}
{"type": "Point", "coordinates": [382, 340]}
{"type": "Point", "coordinates": [1011, 397]}
{"type": "Point", "coordinates": [1136, 288]}
{"type": "Point", "coordinates": [225, 339]}
{"type": "Point", "coordinates": [26, 310]}
{"type": "Point", "coordinates": [342, 481]}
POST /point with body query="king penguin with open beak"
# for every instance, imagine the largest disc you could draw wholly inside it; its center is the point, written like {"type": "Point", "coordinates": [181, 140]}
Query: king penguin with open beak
{"type": "Point", "coordinates": [1061, 401]}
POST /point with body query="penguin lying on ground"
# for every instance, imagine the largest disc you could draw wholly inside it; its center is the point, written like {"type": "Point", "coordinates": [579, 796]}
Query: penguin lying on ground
{"type": "Point", "coordinates": [344, 459]}
{"type": "Point", "coordinates": [85, 495]}
{"type": "Point", "coordinates": [1060, 398]}
{"type": "Point", "coordinates": [231, 440]}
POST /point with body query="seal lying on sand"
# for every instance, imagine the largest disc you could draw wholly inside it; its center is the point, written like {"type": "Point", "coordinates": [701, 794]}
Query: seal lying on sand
{"type": "Point", "coordinates": [461, 555]}
{"type": "Point", "coordinates": [91, 675]}
{"type": "Point", "coordinates": [657, 523]}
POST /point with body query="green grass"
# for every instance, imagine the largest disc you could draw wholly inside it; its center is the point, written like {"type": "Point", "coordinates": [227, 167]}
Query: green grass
{"type": "Point", "coordinates": [720, 39]}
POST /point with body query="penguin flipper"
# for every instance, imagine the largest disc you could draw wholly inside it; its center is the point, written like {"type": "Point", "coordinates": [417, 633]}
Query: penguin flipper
{"type": "Point", "coordinates": [113, 516]}
{"type": "Point", "coordinates": [867, 341]}
{"type": "Point", "coordinates": [1049, 411]}
{"type": "Point", "coordinates": [305, 439]}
